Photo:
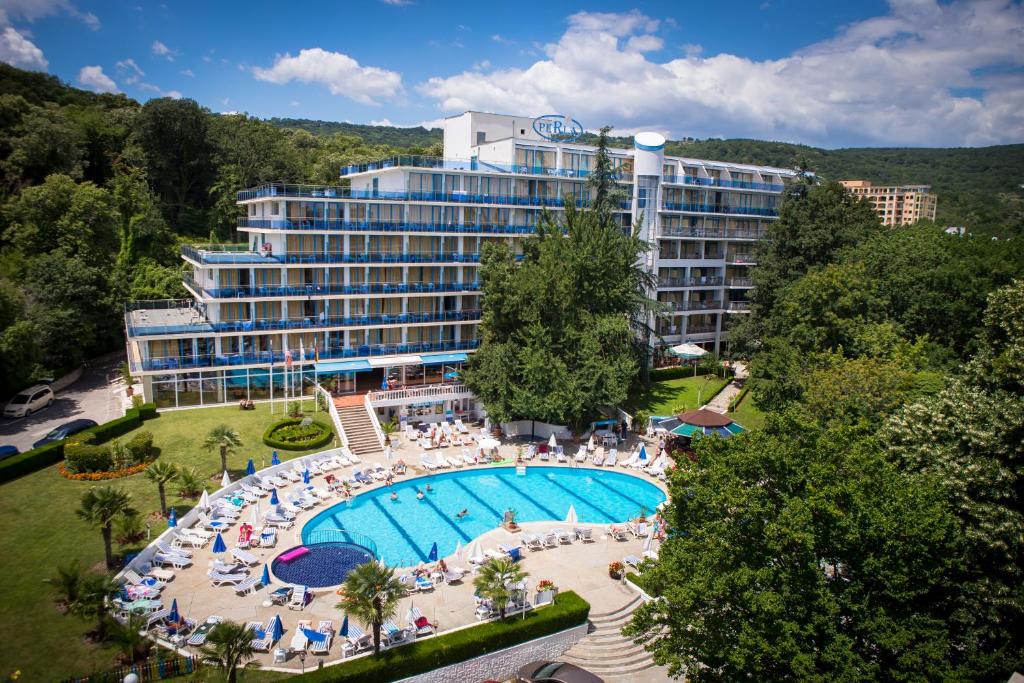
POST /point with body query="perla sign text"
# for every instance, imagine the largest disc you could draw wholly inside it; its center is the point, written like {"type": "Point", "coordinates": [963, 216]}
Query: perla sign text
{"type": "Point", "coordinates": [557, 128]}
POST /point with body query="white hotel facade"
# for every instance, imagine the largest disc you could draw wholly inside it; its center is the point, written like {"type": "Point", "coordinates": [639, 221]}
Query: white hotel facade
{"type": "Point", "coordinates": [379, 276]}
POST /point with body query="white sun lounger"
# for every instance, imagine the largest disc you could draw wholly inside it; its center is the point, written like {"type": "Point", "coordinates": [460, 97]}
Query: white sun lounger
{"type": "Point", "coordinates": [298, 600]}
{"type": "Point", "coordinates": [533, 542]}
{"type": "Point", "coordinates": [176, 561]}
{"type": "Point", "coordinates": [322, 647]}
{"type": "Point", "coordinates": [461, 427]}
{"type": "Point", "coordinates": [613, 455]}
{"type": "Point", "coordinates": [617, 532]}
{"type": "Point", "coordinates": [219, 579]}
{"type": "Point", "coordinates": [291, 475]}
{"type": "Point", "coordinates": [248, 586]}
{"type": "Point", "coordinates": [198, 636]}
{"type": "Point", "coordinates": [454, 462]}
{"type": "Point", "coordinates": [168, 549]}
{"type": "Point", "coordinates": [244, 556]}
{"type": "Point", "coordinates": [563, 536]}
{"type": "Point", "coordinates": [352, 457]}
{"type": "Point", "coordinates": [581, 454]}
{"type": "Point", "coordinates": [638, 529]}
{"type": "Point", "coordinates": [584, 534]}
{"type": "Point", "coordinates": [598, 458]}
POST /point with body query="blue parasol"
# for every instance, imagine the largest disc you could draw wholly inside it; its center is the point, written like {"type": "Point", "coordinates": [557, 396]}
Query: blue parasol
{"type": "Point", "coordinates": [172, 519]}
{"type": "Point", "coordinates": [251, 467]}
{"type": "Point", "coordinates": [275, 460]}
{"type": "Point", "coordinates": [219, 546]}
{"type": "Point", "coordinates": [343, 631]}
{"type": "Point", "coordinates": [273, 497]}
{"type": "Point", "coordinates": [433, 553]}
{"type": "Point", "coordinates": [174, 617]}
{"type": "Point", "coordinates": [276, 629]}
{"type": "Point", "coordinates": [265, 579]}
{"type": "Point", "coordinates": [305, 476]}
{"type": "Point", "coordinates": [314, 636]}
{"type": "Point", "coordinates": [643, 453]}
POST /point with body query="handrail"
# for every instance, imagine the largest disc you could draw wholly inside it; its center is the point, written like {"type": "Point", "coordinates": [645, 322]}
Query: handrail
{"type": "Point", "coordinates": [416, 392]}
{"type": "Point", "coordinates": [334, 535]}
{"type": "Point", "coordinates": [332, 410]}
{"type": "Point", "coordinates": [373, 419]}
{"type": "Point", "coordinates": [341, 224]}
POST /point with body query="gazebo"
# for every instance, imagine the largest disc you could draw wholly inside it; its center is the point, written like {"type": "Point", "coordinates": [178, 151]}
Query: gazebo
{"type": "Point", "coordinates": [702, 422]}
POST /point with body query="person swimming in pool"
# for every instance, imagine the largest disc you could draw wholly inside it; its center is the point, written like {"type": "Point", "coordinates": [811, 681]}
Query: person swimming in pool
{"type": "Point", "coordinates": [462, 514]}
{"type": "Point", "coordinates": [419, 495]}
{"type": "Point", "coordinates": [394, 495]}
{"type": "Point", "coordinates": [429, 488]}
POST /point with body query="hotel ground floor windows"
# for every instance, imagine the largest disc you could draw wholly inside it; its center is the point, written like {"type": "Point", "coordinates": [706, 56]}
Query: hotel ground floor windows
{"type": "Point", "coordinates": [226, 386]}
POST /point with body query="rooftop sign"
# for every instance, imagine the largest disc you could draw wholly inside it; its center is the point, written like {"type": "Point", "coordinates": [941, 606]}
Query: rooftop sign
{"type": "Point", "coordinates": [557, 128]}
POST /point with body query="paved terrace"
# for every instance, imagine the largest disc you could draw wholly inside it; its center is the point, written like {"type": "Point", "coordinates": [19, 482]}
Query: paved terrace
{"type": "Point", "coordinates": [581, 567]}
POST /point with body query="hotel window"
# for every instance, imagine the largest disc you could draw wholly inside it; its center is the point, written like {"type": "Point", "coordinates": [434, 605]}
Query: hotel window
{"type": "Point", "coordinates": [275, 208]}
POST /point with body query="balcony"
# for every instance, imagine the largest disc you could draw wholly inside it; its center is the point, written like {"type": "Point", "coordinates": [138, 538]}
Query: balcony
{"type": "Point", "coordinates": [741, 258]}
{"type": "Point", "coordinates": [309, 257]}
{"type": "Point", "coordinates": [689, 282]}
{"type": "Point", "coordinates": [721, 182]}
{"type": "Point", "coordinates": [740, 282]}
{"type": "Point", "coordinates": [686, 306]}
{"type": "Point", "coordinates": [266, 358]}
{"type": "Point", "coordinates": [327, 192]}
{"type": "Point", "coordinates": [395, 397]}
{"type": "Point", "coordinates": [739, 306]}
{"type": "Point", "coordinates": [713, 233]}
{"type": "Point", "coordinates": [720, 208]}
{"type": "Point", "coordinates": [304, 291]}
{"type": "Point", "coordinates": [475, 165]}
{"type": "Point", "coordinates": [341, 225]}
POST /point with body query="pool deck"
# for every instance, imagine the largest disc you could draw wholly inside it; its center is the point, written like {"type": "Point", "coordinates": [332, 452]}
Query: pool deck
{"type": "Point", "coordinates": [582, 567]}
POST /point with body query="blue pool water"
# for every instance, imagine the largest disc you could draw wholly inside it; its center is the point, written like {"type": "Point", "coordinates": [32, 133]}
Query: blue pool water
{"type": "Point", "coordinates": [326, 564]}
{"type": "Point", "coordinates": [403, 530]}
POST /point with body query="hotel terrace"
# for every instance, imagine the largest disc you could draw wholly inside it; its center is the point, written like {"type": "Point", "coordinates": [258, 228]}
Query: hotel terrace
{"type": "Point", "coordinates": [379, 276]}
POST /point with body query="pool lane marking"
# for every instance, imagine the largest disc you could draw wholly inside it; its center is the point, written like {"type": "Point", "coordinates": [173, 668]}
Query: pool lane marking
{"type": "Point", "coordinates": [433, 506]}
{"type": "Point", "coordinates": [398, 527]}
{"type": "Point", "coordinates": [455, 480]}
{"type": "Point", "coordinates": [529, 498]}
{"type": "Point", "coordinates": [583, 501]}
{"type": "Point", "coordinates": [634, 501]}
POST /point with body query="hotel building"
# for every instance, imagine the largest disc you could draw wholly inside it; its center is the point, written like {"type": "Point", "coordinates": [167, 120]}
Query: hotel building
{"type": "Point", "coordinates": [378, 276]}
{"type": "Point", "coordinates": [896, 204]}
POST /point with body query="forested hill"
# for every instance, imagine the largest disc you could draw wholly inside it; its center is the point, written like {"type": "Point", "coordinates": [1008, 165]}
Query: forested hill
{"type": "Point", "coordinates": [372, 135]}
{"type": "Point", "coordinates": [38, 88]}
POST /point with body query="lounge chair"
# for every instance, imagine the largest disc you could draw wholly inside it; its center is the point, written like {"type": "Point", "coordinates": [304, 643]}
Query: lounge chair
{"type": "Point", "coordinates": [362, 477]}
{"type": "Point", "coordinates": [164, 575]}
{"type": "Point", "coordinates": [357, 641]}
{"type": "Point", "coordinates": [299, 598]}
{"type": "Point", "coordinates": [167, 548]}
{"type": "Point", "coordinates": [244, 556]}
{"type": "Point", "coordinates": [257, 491]}
{"type": "Point", "coordinates": [613, 455]}
{"type": "Point", "coordinates": [560, 454]}
{"type": "Point", "coordinates": [628, 462]}
{"type": "Point", "coordinates": [544, 455]}
{"type": "Point", "coordinates": [598, 458]}
{"type": "Point", "coordinates": [617, 532]}
{"type": "Point", "coordinates": [277, 520]}
{"type": "Point", "coordinates": [493, 554]}
{"type": "Point", "coordinates": [424, 584]}
{"type": "Point", "coordinates": [479, 559]}
{"type": "Point", "coordinates": [467, 458]}
{"type": "Point", "coordinates": [321, 646]}
{"type": "Point", "coordinates": [268, 538]}
{"type": "Point", "coordinates": [176, 561]}
{"type": "Point", "coordinates": [463, 429]}
{"type": "Point", "coordinates": [299, 639]}
{"type": "Point", "coordinates": [581, 454]}
{"type": "Point", "coordinates": [562, 535]}
{"type": "Point", "coordinates": [638, 529]}
{"type": "Point", "coordinates": [631, 561]}
{"type": "Point", "coordinates": [394, 634]}
{"type": "Point", "coordinates": [220, 579]}
{"type": "Point", "coordinates": [378, 472]}
{"type": "Point", "coordinates": [291, 475]}
{"type": "Point", "coordinates": [454, 461]}
{"type": "Point", "coordinates": [419, 624]}
{"type": "Point", "coordinates": [352, 457]}
{"type": "Point", "coordinates": [584, 534]}
{"type": "Point", "coordinates": [134, 579]}
{"type": "Point", "coordinates": [533, 542]}
{"type": "Point", "coordinates": [550, 540]}
{"type": "Point", "coordinates": [453, 575]}
{"type": "Point", "coordinates": [247, 586]}
{"type": "Point", "coordinates": [187, 539]}
{"type": "Point", "coordinates": [263, 638]}
{"type": "Point", "coordinates": [277, 482]}
{"type": "Point", "coordinates": [198, 636]}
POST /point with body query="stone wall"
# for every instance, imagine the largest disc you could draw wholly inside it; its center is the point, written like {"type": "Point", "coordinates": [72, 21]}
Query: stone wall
{"type": "Point", "coordinates": [503, 664]}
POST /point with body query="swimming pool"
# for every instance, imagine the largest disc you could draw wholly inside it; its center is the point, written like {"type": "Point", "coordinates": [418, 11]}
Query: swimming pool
{"type": "Point", "coordinates": [404, 529]}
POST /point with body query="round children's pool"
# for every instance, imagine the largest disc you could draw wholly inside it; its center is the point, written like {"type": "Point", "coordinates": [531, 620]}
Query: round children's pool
{"type": "Point", "coordinates": [326, 564]}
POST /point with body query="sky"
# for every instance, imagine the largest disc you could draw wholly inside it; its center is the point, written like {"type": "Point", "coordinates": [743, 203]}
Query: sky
{"type": "Point", "coordinates": [829, 74]}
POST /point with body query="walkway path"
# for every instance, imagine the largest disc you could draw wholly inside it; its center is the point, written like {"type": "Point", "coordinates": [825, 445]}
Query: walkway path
{"type": "Point", "coordinates": [720, 403]}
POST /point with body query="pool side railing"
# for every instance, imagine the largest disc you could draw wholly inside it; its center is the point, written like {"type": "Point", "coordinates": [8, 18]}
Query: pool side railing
{"type": "Point", "coordinates": [317, 536]}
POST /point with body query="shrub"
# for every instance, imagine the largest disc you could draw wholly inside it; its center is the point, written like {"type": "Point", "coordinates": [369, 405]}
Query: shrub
{"type": "Point", "coordinates": [147, 411]}
{"type": "Point", "coordinates": [81, 458]}
{"type": "Point", "coordinates": [640, 421]}
{"type": "Point", "coordinates": [137, 402]}
{"type": "Point", "coordinates": [290, 435]}
{"type": "Point", "coordinates": [119, 455]}
{"type": "Point", "coordinates": [115, 428]}
{"type": "Point", "coordinates": [676, 372]}
{"type": "Point", "coordinates": [738, 399]}
{"type": "Point", "coordinates": [295, 409]}
{"type": "Point", "coordinates": [140, 446]}
{"type": "Point", "coordinates": [30, 461]}
{"type": "Point", "coordinates": [130, 529]}
{"type": "Point", "coordinates": [568, 610]}
{"type": "Point", "coordinates": [80, 438]}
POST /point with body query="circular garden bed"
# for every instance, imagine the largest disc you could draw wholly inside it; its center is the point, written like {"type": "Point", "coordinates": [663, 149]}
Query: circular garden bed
{"type": "Point", "coordinates": [297, 434]}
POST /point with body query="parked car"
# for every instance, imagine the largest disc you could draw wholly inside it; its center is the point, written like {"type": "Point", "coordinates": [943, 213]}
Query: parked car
{"type": "Point", "coordinates": [29, 401]}
{"type": "Point", "coordinates": [555, 672]}
{"type": "Point", "coordinates": [8, 451]}
{"type": "Point", "coordinates": [64, 431]}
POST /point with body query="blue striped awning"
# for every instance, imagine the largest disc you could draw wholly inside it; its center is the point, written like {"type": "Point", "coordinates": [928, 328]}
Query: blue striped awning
{"type": "Point", "coordinates": [443, 358]}
{"type": "Point", "coordinates": [328, 367]}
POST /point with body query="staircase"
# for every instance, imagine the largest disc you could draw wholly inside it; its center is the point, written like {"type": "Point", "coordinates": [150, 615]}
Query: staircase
{"type": "Point", "coordinates": [606, 653]}
{"type": "Point", "coordinates": [362, 439]}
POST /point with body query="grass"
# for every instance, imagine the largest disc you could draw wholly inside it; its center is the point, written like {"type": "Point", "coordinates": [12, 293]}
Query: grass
{"type": "Point", "coordinates": [748, 414]}
{"type": "Point", "coordinates": [672, 396]}
{"type": "Point", "coordinates": [39, 531]}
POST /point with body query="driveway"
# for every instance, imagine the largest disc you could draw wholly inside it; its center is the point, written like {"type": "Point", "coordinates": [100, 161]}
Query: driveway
{"type": "Point", "coordinates": [92, 396]}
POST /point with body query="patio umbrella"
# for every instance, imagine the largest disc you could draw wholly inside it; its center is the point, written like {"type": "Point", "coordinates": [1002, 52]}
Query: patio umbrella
{"type": "Point", "coordinates": [388, 453]}
{"type": "Point", "coordinates": [172, 518]}
{"type": "Point", "coordinates": [250, 468]}
{"type": "Point", "coordinates": [225, 481]}
{"type": "Point", "coordinates": [204, 500]}
{"type": "Point", "coordinates": [275, 460]}
{"type": "Point", "coordinates": [305, 476]}
{"type": "Point", "coordinates": [689, 351]}
{"type": "Point", "coordinates": [649, 543]}
{"type": "Point", "coordinates": [273, 497]}
{"type": "Point", "coordinates": [381, 562]}
{"type": "Point", "coordinates": [265, 579]}
{"type": "Point", "coordinates": [219, 546]}
{"type": "Point", "coordinates": [552, 442]}
{"type": "Point", "coordinates": [343, 631]}
{"type": "Point", "coordinates": [458, 550]}
{"type": "Point", "coordinates": [590, 443]}
{"type": "Point", "coordinates": [433, 553]}
{"type": "Point", "coordinates": [410, 616]}
{"type": "Point", "coordinates": [643, 454]}
{"type": "Point", "coordinates": [276, 628]}
{"type": "Point", "coordinates": [488, 444]}
{"type": "Point", "coordinates": [174, 617]}
{"type": "Point", "coordinates": [571, 517]}
{"type": "Point", "coordinates": [256, 513]}
{"type": "Point", "coordinates": [474, 550]}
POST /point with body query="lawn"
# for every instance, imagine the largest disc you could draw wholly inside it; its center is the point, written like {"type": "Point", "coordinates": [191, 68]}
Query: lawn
{"type": "Point", "coordinates": [39, 531]}
{"type": "Point", "coordinates": [748, 414]}
{"type": "Point", "coordinates": [672, 396]}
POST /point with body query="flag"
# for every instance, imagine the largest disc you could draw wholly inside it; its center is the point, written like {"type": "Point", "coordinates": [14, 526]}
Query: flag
{"type": "Point", "coordinates": [302, 350]}
{"type": "Point", "coordinates": [287, 358]}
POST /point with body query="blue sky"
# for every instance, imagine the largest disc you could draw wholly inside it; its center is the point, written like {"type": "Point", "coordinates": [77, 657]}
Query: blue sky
{"type": "Point", "coordinates": [908, 72]}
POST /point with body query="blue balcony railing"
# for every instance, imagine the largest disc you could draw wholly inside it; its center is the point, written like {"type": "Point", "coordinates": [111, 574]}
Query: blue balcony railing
{"type": "Point", "coordinates": [322, 289]}
{"type": "Point", "coordinates": [440, 163]}
{"type": "Point", "coordinates": [265, 358]}
{"type": "Point", "coordinates": [712, 233]}
{"type": "Point", "coordinates": [721, 208]}
{"type": "Point", "coordinates": [342, 225]}
{"type": "Point", "coordinates": [722, 182]}
{"type": "Point", "coordinates": [301, 257]}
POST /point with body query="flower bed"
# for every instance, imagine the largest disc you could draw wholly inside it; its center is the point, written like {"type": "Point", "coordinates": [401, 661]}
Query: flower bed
{"type": "Point", "coordinates": [292, 435]}
{"type": "Point", "coordinates": [100, 476]}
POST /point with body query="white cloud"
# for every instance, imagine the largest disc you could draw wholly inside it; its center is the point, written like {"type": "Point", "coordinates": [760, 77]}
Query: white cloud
{"type": "Point", "coordinates": [397, 3]}
{"type": "Point", "coordinates": [129, 72]}
{"type": "Point", "coordinates": [31, 10]}
{"type": "Point", "coordinates": [340, 73]}
{"type": "Point", "coordinates": [382, 122]}
{"type": "Point", "coordinates": [173, 94]}
{"type": "Point", "coordinates": [294, 103]}
{"type": "Point", "coordinates": [93, 78]}
{"type": "Point", "coordinates": [482, 65]}
{"type": "Point", "coordinates": [693, 49]}
{"type": "Point", "coordinates": [19, 51]}
{"type": "Point", "coordinates": [894, 79]}
{"type": "Point", "coordinates": [188, 72]}
{"type": "Point", "coordinates": [161, 50]}
{"type": "Point", "coordinates": [502, 40]}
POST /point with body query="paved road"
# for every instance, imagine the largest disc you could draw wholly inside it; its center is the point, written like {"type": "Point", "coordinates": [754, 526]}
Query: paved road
{"type": "Point", "coordinates": [92, 397]}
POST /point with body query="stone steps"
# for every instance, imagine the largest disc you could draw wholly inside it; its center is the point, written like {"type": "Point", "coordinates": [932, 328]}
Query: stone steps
{"type": "Point", "coordinates": [604, 651]}
{"type": "Point", "coordinates": [362, 439]}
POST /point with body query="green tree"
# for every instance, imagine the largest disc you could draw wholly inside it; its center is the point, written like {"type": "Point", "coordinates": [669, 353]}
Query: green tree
{"type": "Point", "coordinates": [68, 581]}
{"type": "Point", "coordinates": [224, 439]}
{"type": "Point", "coordinates": [372, 593]}
{"type": "Point", "coordinates": [94, 595]}
{"type": "Point", "coordinates": [602, 181]}
{"type": "Point", "coordinates": [100, 507]}
{"type": "Point", "coordinates": [162, 473]}
{"type": "Point", "coordinates": [44, 141]}
{"type": "Point", "coordinates": [229, 646]}
{"type": "Point", "coordinates": [130, 638]}
{"type": "Point", "coordinates": [190, 483]}
{"type": "Point", "coordinates": [496, 580]}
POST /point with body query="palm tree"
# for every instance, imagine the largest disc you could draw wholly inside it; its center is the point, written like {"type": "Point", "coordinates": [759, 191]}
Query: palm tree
{"type": "Point", "coordinates": [371, 595]}
{"type": "Point", "coordinates": [190, 484]}
{"type": "Point", "coordinates": [93, 595]}
{"type": "Point", "coordinates": [100, 507]}
{"type": "Point", "coordinates": [226, 439]}
{"type": "Point", "coordinates": [68, 580]}
{"type": "Point", "coordinates": [162, 473]}
{"type": "Point", "coordinates": [130, 637]}
{"type": "Point", "coordinates": [495, 581]}
{"type": "Point", "coordinates": [229, 644]}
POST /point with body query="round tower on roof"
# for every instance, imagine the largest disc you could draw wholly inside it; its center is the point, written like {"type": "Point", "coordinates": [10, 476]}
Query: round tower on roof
{"type": "Point", "coordinates": [650, 153]}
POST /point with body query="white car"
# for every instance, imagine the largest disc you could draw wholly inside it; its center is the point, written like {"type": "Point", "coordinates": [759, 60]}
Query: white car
{"type": "Point", "coordinates": [29, 401]}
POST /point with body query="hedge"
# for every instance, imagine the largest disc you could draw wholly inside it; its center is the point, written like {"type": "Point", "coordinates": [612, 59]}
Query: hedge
{"type": "Point", "coordinates": [677, 372]}
{"type": "Point", "coordinates": [321, 440]}
{"type": "Point", "coordinates": [738, 399]}
{"type": "Point", "coordinates": [51, 453]}
{"type": "Point", "coordinates": [568, 610]}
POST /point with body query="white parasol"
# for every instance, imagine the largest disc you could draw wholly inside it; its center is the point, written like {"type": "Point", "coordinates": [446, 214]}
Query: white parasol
{"type": "Point", "coordinates": [571, 517]}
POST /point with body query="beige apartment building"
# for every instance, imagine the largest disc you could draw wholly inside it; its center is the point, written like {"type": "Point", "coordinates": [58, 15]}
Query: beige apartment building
{"type": "Point", "coordinates": [896, 204]}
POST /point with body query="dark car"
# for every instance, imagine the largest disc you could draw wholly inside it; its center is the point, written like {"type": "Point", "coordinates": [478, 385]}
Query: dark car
{"type": "Point", "coordinates": [64, 431]}
{"type": "Point", "coordinates": [555, 672]}
{"type": "Point", "coordinates": [8, 451]}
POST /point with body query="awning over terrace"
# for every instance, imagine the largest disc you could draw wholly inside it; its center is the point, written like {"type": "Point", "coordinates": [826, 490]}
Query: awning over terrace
{"type": "Point", "coordinates": [330, 367]}
{"type": "Point", "coordinates": [443, 358]}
